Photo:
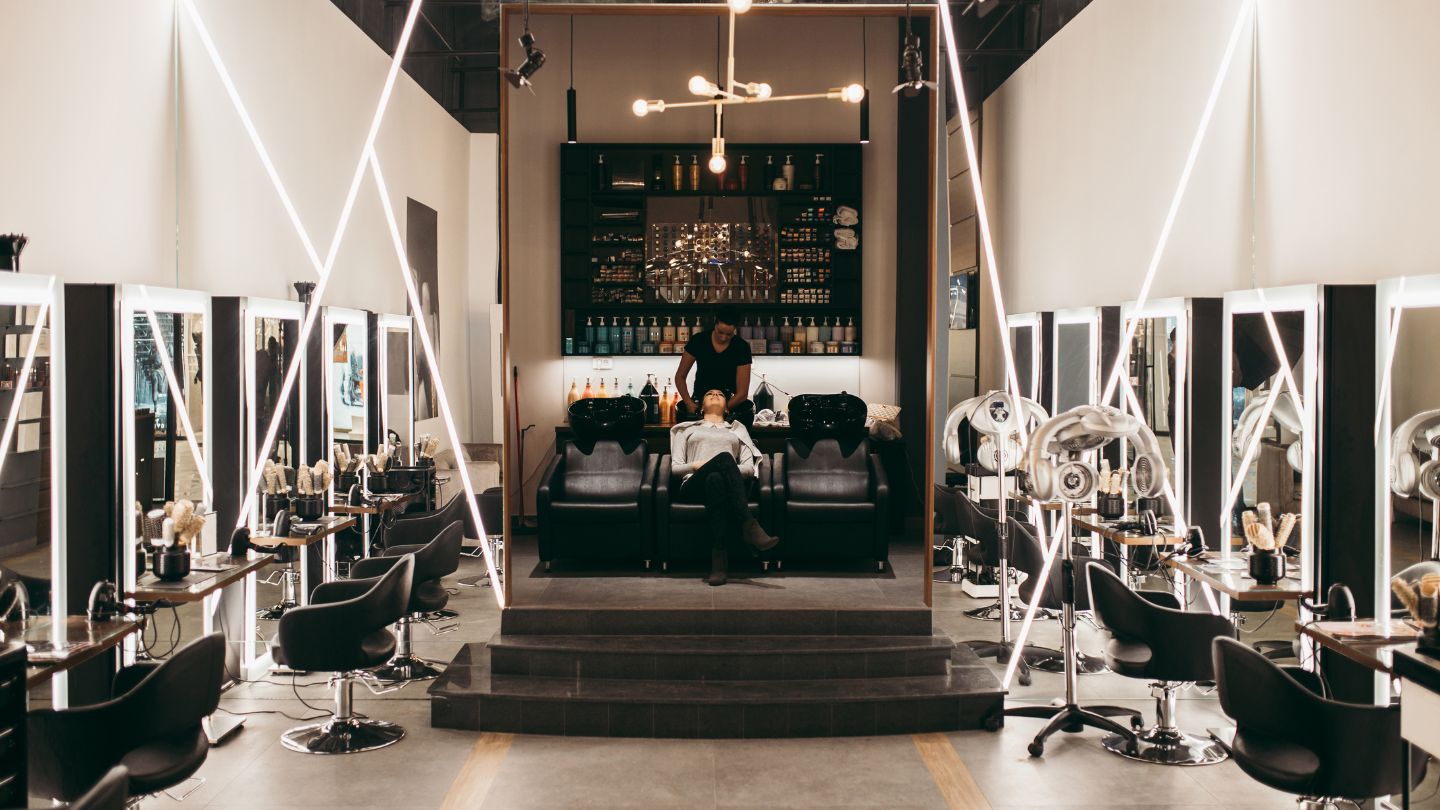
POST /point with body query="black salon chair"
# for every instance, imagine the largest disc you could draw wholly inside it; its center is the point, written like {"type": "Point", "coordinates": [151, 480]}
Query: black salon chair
{"type": "Point", "coordinates": [436, 559]}
{"type": "Point", "coordinates": [1151, 637]}
{"type": "Point", "coordinates": [151, 725]}
{"type": "Point", "coordinates": [596, 503]}
{"type": "Point", "coordinates": [110, 793]}
{"type": "Point", "coordinates": [1027, 557]}
{"type": "Point", "coordinates": [417, 529]}
{"type": "Point", "coordinates": [1291, 739]}
{"type": "Point", "coordinates": [681, 530]}
{"type": "Point", "coordinates": [830, 501]}
{"type": "Point", "coordinates": [344, 630]}
{"type": "Point", "coordinates": [978, 526]}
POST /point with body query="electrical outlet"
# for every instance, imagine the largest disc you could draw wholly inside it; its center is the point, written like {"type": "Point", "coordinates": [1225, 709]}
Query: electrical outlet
{"type": "Point", "coordinates": [602, 363]}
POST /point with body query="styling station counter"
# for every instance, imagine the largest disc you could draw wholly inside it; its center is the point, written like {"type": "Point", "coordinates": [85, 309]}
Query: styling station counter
{"type": "Point", "coordinates": [1419, 676]}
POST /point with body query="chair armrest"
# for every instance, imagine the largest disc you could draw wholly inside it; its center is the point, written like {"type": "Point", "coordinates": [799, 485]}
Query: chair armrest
{"type": "Point", "coordinates": [1164, 599]}
{"type": "Point", "coordinates": [371, 567]}
{"type": "Point", "coordinates": [880, 493]}
{"type": "Point", "coordinates": [779, 493]}
{"type": "Point", "coordinates": [662, 483]}
{"type": "Point", "coordinates": [390, 551]}
{"type": "Point", "coordinates": [342, 590]}
{"type": "Point", "coordinates": [552, 483]}
{"type": "Point", "coordinates": [766, 479]}
{"type": "Point", "coordinates": [647, 494]}
{"type": "Point", "coordinates": [126, 678]}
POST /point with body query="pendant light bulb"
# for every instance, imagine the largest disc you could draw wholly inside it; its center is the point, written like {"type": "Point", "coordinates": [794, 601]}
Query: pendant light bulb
{"type": "Point", "coordinates": [641, 108]}
{"type": "Point", "coordinates": [740, 6]}
{"type": "Point", "coordinates": [717, 164]}
{"type": "Point", "coordinates": [852, 94]}
{"type": "Point", "coordinates": [701, 86]}
{"type": "Point", "coordinates": [760, 90]}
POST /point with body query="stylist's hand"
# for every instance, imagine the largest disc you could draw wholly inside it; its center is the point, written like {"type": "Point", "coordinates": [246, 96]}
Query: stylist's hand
{"type": "Point", "coordinates": [690, 405]}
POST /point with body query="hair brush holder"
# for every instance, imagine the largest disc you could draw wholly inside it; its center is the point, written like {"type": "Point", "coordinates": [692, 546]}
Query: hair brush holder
{"type": "Point", "coordinates": [170, 563]}
{"type": "Point", "coordinates": [1429, 641]}
{"type": "Point", "coordinates": [1154, 505]}
{"type": "Point", "coordinates": [307, 507]}
{"type": "Point", "coordinates": [270, 504]}
{"type": "Point", "coordinates": [1267, 567]}
{"type": "Point", "coordinates": [1110, 507]}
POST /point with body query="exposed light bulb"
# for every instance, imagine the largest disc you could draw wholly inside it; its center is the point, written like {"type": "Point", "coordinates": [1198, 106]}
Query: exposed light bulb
{"type": "Point", "coordinates": [759, 90]}
{"type": "Point", "coordinates": [740, 6]}
{"type": "Point", "coordinates": [641, 107]}
{"type": "Point", "coordinates": [717, 163]}
{"type": "Point", "coordinates": [701, 86]}
{"type": "Point", "coordinates": [852, 93]}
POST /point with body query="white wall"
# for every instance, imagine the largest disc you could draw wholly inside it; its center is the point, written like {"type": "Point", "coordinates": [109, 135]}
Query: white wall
{"type": "Point", "coordinates": [619, 59]}
{"type": "Point", "coordinates": [1084, 144]}
{"type": "Point", "coordinates": [96, 171]}
{"type": "Point", "coordinates": [88, 138]}
{"type": "Point", "coordinates": [486, 370]}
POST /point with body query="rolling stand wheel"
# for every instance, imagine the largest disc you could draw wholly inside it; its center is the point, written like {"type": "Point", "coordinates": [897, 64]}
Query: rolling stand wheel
{"type": "Point", "coordinates": [1036, 748]}
{"type": "Point", "coordinates": [995, 722]}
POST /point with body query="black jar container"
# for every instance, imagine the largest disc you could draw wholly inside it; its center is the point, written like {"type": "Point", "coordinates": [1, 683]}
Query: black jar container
{"type": "Point", "coordinates": [1267, 567]}
{"type": "Point", "coordinates": [1156, 506]}
{"type": "Point", "coordinates": [1109, 506]}
{"type": "Point", "coordinates": [170, 563]}
{"type": "Point", "coordinates": [308, 507]}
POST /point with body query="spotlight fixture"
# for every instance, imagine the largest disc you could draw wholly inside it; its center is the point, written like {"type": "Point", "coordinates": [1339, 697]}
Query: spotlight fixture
{"type": "Point", "coordinates": [534, 58]}
{"type": "Point", "coordinates": [718, 96]}
{"type": "Point", "coordinates": [912, 63]}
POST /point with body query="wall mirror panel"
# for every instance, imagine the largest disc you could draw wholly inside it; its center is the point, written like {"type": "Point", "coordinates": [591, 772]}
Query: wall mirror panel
{"type": "Point", "coordinates": [1271, 340]}
{"type": "Point", "coordinates": [1407, 431]}
{"type": "Point", "coordinates": [165, 384]}
{"type": "Point", "coordinates": [1075, 361]}
{"type": "Point", "coordinates": [1156, 365]}
{"type": "Point", "coordinates": [397, 385]}
{"type": "Point", "coordinates": [1025, 349]}
{"type": "Point", "coordinates": [31, 544]}
{"type": "Point", "coordinates": [346, 406]}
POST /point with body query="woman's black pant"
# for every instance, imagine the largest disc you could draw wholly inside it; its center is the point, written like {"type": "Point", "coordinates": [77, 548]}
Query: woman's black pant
{"type": "Point", "coordinates": [719, 485]}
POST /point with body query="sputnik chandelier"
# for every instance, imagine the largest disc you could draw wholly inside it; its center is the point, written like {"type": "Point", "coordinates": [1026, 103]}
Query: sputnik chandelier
{"type": "Point", "coordinates": [700, 261]}
{"type": "Point", "coordinates": [750, 93]}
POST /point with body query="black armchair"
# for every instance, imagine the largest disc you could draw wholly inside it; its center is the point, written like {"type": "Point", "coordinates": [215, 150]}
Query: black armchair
{"type": "Point", "coordinates": [343, 630]}
{"type": "Point", "coordinates": [1291, 739]}
{"type": "Point", "coordinates": [680, 527]}
{"type": "Point", "coordinates": [597, 504]}
{"type": "Point", "coordinates": [110, 793]}
{"type": "Point", "coordinates": [1151, 637]}
{"type": "Point", "coordinates": [828, 502]}
{"type": "Point", "coordinates": [152, 726]}
{"type": "Point", "coordinates": [419, 529]}
{"type": "Point", "coordinates": [436, 559]}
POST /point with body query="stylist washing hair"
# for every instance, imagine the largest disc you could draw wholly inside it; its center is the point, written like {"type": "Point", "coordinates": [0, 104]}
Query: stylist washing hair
{"type": "Point", "coordinates": [721, 363]}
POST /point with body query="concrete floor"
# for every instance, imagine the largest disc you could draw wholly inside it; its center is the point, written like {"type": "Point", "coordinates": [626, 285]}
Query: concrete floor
{"type": "Point", "coordinates": [254, 770]}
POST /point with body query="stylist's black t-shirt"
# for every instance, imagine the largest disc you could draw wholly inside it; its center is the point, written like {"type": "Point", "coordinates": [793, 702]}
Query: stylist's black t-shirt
{"type": "Point", "coordinates": [715, 369]}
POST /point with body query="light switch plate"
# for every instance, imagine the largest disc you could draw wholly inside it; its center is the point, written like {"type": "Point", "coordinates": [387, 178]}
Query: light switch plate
{"type": "Point", "coordinates": [603, 363]}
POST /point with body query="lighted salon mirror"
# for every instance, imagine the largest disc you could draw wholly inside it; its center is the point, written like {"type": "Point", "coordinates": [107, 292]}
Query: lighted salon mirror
{"type": "Point", "coordinates": [397, 385]}
{"type": "Point", "coordinates": [1270, 339]}
{"type": "Point", "coordinates": [271, 333]}
{"type": "Point", "coordinates": [1075, 360]}
{"type": "Point", "coordinates": [165, 377]}
{"type": "Point", "coordinates": [346, 405]}
{"type": "Point", "coordinates": [1154, 385]}
{"type": "Point", "coordinates": [1408, 423]}
{"type": "Point", "coordinates": [31, 550]}
{"type": "Point", "coordinates": [1025, 349]}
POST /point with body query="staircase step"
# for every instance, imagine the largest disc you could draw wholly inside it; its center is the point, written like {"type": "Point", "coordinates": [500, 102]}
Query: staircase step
{"type": "Point", "coordinates": [734, 658]}
{"type": "Point", "coordinates": [570, 621]}
{"type": "Point", "coordinates": [469, 696]}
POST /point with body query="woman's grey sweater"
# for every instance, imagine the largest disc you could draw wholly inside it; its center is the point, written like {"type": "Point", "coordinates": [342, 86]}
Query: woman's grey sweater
{"type": "Point", "coordinates": [700, 441]}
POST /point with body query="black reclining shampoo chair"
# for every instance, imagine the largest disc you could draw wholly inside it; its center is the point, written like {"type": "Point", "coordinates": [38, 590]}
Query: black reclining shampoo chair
{"type": "Point", "coordinates": [682, 534]}
{"type": "Point", "coordinates": [830, 500]}
{"type": "Point", "coordinates": [436, 559]}
{"type": "Point", "coordinates": [1151, 637]}
{"type": "Point", "coordinates": [344, 630]}
{"type": "Point", "coordinates": [596, 503]}
{"type": "Point", "coordinates": [152, 726]}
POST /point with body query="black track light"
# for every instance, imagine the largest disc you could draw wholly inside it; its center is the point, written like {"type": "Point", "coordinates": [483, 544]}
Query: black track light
{"type": "Point", "coordinates": [534, 60]}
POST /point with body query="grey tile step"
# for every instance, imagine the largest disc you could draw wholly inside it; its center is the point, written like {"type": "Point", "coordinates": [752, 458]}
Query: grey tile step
{"type": "Point", "coordinates": [573, 621]}
{"type": "Point", "coordinates": [720, 657]}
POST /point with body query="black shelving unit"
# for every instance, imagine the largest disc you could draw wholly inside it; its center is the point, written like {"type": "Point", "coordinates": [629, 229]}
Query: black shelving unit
{"type": "Point", "coordinates": [608, 194]}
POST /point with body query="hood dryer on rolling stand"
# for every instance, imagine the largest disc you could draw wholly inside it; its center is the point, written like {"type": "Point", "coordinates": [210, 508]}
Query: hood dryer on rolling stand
{"type": "Point", "coordinates": [1058, 469]}
{"type": "Point", "coordinates": [999, 416]}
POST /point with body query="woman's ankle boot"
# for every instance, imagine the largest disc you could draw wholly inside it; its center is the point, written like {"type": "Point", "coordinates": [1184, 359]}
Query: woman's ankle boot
{"type": "Point", "coordinates": [719, 562]}
{"type": "Point", "coordinates": [755, 535]}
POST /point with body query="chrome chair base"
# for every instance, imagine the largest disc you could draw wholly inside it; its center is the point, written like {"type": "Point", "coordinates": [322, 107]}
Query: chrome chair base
{"type": "Point", "coordinates": [1054, 662]}
{"type": "Point", "coordinates": [408, 668]}
{"type": "Point", "coordinates": [274, 612]}
{"type": "Point", "coordinates": [347, 736]}
{"type": "Point", "coordinates": [1164, 747]}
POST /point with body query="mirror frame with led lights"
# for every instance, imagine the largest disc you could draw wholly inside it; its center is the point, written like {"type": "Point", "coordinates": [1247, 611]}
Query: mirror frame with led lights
{"type": "Point", "coordinates": [1087, 316]}
{"type": "Point", "coordinates": [337, 316]}
{"type": "Point", "coordinates": [1304, 299]}
{"type": "Point", "coordinates": [137, 300]}
{"type": "Point", "coordinates": [385, 324]}
{"type": "Point", "coordinates": [1165, 308]}
{"type": "Point", "coordinates": [1034, 321]}
{"type": "Point", "coordinates": [43, 292]}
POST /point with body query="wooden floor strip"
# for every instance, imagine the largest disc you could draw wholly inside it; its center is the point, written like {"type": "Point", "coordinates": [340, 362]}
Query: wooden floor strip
{"type": "Point", "coordinates": [950, 774]}
{"type": "Point", "coordinates": [478, 773]}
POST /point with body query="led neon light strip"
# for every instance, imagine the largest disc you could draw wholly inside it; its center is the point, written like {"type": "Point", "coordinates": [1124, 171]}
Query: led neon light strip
{"type": "Point", "coordinates": [178, 395]}
{"type": "Point", "coordinates": [1284, 360]}
{"type": "Point", "coordinates": [1246, 10]}
{"type": "Point", "coordinates": [292, 373]}
{"type": "Point", "coordinates": [1383, 402]}
{"type": "Point", "coordinates": [13, 419]}
{"type": "Point", "coordinates": [430, 358]}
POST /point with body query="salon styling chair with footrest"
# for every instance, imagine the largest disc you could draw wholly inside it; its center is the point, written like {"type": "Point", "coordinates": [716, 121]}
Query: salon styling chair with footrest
{"type": "Point", "coordinates": [420, 528]}
{"type": "Point", "coordinates": [345, 630]}
{"type": "Point", "coordinates": [1151, 637]}
{"type": "Point", "coordinates": [436, 559]}
{"type": "Point", "coordinates": [151, 725]}
{"type": "Point", "coordinates": [110, 793]}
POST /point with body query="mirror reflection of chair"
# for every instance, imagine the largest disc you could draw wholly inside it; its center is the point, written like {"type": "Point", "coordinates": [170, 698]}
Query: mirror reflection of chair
{"type": "Point", "coordinates": [595, 503]}
{"type": "Point", "coordinates": [830, 500]}
{"type": "Point", "coordinates": [436, 559]}
{"type": "Point", "coordinates": [344, 630]}
{"type": "Point", "coordinates": [1152, 637]}
{"type": "Point", "coordinates": [1291, 739]}
{"type": "Point", "coordinates": [151, 725]}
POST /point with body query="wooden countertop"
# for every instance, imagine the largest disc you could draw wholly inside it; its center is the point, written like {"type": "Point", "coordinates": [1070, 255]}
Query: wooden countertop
{"type": "Point", "coordinates": [85, 640]}
{"type": "Point", "coordinates": [200, 584]}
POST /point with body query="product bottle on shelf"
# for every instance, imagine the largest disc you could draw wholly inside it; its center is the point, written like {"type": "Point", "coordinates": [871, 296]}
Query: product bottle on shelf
{"type": "Point", "coordinates": [588, 393]}
{"type": "Point", "coordinates": [651, 397]}
{"type": "Point", "coordinates": [627, 337]}
{"type": "Point", "coordinates": [812, 332]}
{"type": "Point", "coordinates": [769, 172]}
{"type": "Point", "coordinates": [817, 171]}
{"type": "Point", "coordinates": [772, 332]}
{"type": "Point", "coordinates": [824, 329]}
{"type": "Point", "coordinates": [786, 332]}
{"type": "Point", "coordinates": [602, 179]}
{"type": "Point", "coordinates": [668, 333]}
{"type": "Point", "coordinates": [614, 386]}
{"type": "Point", "coordinates": [602, 335]}
{"type": "Point", "coordinates": [654, 329]}
{"type": "Point", "coordinates": [571, 397]}
{"type": "Point", "coordinates": [657, 179]}
{"type": "Point", "coordinates": [667, 406]}
{"type": "Point", "coordinates": [744, 173]}
{"type": "Point", "coordinates": [682, 333]}
{"type": "Point", "coordinates": [697, 328]}
{"type": "Point", "coordinates": [629, 386]}
{"type": "Point", "coordinates": [850, 330]}
{"type": "Point", "coordinates": [589, 331]}
{"type": "Point", "coordinates": [694, 172]}
{"type": "Point", "coordinates": [745, 329]}
{"type": "Point", "coordinates": [788, 172]}
{"type": "Point", "coordinates": [676, 173]}
{"type": "Point", "coordinates": [602, 393]}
